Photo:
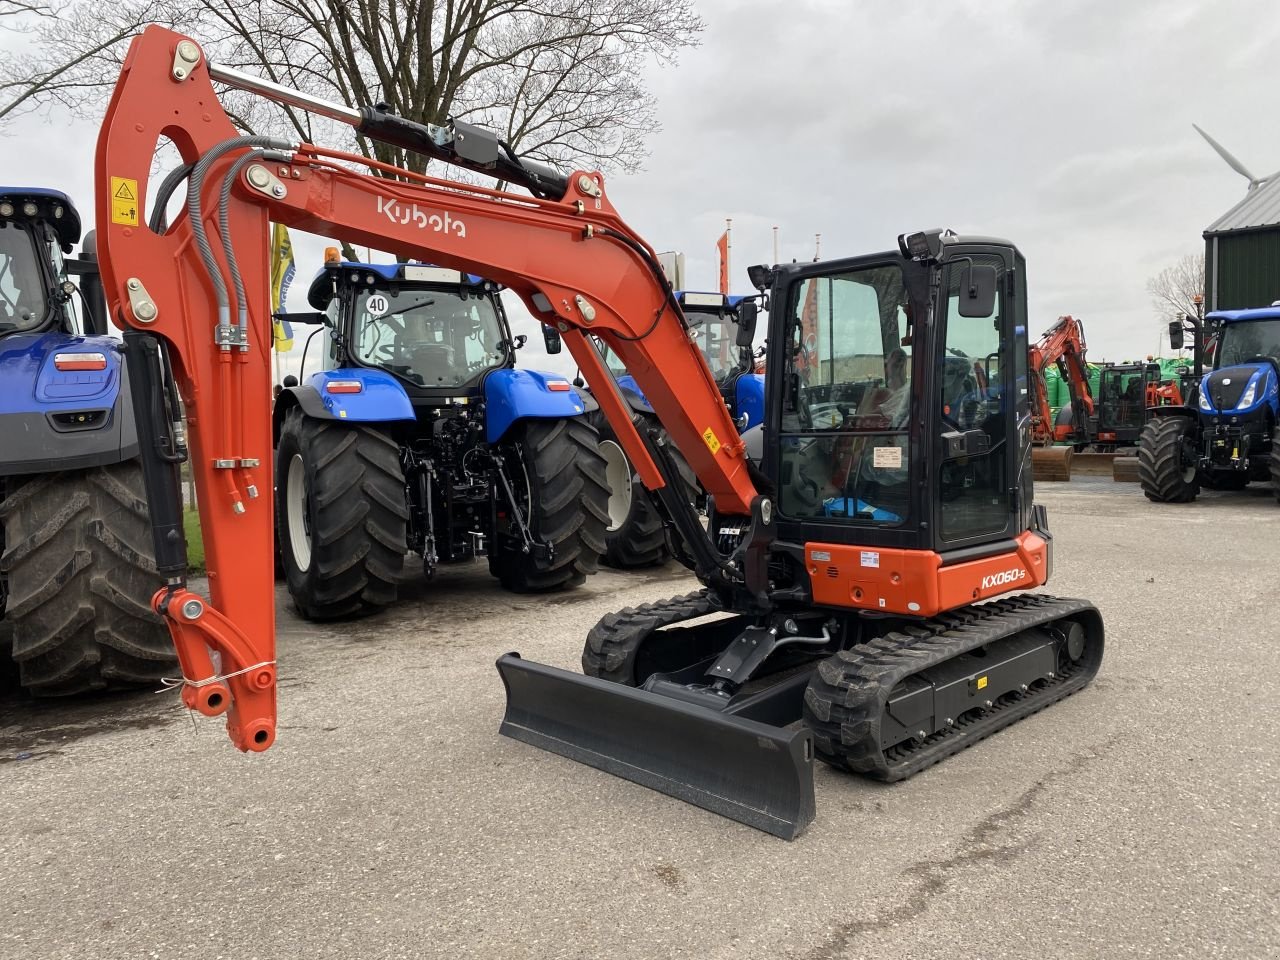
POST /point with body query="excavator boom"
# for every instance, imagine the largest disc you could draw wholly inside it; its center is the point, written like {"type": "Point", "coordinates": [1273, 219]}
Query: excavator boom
{"type": "Point", "coordinates": [193, 299]}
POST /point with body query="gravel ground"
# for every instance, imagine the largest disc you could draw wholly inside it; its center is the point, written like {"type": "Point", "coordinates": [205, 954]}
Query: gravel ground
{"type": "Point", "coordinates": [1139, 818]}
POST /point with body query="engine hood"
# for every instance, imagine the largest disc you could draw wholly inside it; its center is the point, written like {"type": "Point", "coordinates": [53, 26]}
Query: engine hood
{"type": "Point", "coordinates": [1239, 389]}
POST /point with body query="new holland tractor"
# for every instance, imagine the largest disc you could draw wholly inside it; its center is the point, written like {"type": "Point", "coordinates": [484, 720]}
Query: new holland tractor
{"type": "Point", "coordinates": [1226, 435]}
{"type": "Point", "coordinates": [723, 327]}
{"type": "Point", "coordinates": [77, 571]}
{"type": "Point", "coordinates": [419, 435]}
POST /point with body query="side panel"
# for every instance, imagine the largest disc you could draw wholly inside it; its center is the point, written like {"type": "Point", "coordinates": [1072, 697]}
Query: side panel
{"type": "Point", "coordinates": [750, 399]}
{"type": "Point", "coordinates": [511, 395]}
{"type": "Point", "coordinates": [381, 396]}
{"type": "Point", "coordinates": [62, 420]}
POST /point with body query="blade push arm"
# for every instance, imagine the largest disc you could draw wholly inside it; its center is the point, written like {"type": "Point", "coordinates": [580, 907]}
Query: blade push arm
{"type": "Point", "coordinates": [202, 288]}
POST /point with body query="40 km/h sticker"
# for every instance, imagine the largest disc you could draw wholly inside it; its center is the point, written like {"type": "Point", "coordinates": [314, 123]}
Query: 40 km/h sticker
{"type": "Point", "coordinates": [124, 201]}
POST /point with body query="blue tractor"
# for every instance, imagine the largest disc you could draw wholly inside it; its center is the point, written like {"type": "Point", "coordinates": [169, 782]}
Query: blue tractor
{"type": "Point", "coordinates": [420, 436]}
{"type": "Point", "coordinates": [77, 568]}
{"type": "Point", "coordinates": [723, 327]}
{"type": "Point", "coordinates": [1225, 436]}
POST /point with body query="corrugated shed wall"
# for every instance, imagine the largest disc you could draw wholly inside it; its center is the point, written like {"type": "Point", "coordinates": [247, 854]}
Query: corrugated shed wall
{"type": "Point", "coordinates": [1244, 271]}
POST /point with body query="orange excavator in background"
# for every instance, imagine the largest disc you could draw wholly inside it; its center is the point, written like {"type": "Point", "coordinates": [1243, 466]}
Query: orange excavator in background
{"type": "Point", "coordinates": [847, 568]}
{"type": "Point", "coordinates": [1062, 344]}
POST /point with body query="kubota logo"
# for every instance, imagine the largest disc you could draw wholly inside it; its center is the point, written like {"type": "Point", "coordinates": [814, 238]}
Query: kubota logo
{"type": "Point", "coordinates": [1003, 577]}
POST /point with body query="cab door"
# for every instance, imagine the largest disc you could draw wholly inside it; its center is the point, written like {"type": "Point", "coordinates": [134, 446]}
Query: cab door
{"type": "Point", "coordinates": [982, 408]}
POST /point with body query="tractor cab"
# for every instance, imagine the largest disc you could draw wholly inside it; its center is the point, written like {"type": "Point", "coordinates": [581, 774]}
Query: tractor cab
{"type": "Point", "coordinates": [37, 227]}
{"type": "Point", "coordinates": [437, 332]}
{"type": "Point", "coordinates": [713, 320]}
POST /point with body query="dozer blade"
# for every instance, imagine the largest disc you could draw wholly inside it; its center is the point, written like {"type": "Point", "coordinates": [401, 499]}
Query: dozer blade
{"type": "Point", "coordinates": [1051, 463]}
{"type": "Point", "coordinates": [748, 771]}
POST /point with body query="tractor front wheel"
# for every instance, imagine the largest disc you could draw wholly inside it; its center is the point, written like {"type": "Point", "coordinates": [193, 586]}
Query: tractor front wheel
{"type": "Point", "coordinates": [341, 516]}
{"type": "Point", "coordinates": [1166, 460]}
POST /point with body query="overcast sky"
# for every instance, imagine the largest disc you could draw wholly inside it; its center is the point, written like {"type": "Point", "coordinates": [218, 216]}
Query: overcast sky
{"type": "Point", "coordinates": [1063, 126]}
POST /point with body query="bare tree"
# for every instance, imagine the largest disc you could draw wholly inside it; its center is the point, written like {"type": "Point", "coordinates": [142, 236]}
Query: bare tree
{"type": "Point", "coordinates": [1174, 288]}
{"type": "Point", "coordinates": [559, 79]}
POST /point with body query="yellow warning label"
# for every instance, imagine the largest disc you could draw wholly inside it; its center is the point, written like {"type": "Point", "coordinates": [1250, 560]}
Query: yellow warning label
{"type": "Point", "coordinates": [124, 201]}
{"type": "Point", "coordinates": [982, 683]}
{"type": "Point", "coordinates": [711, 440]}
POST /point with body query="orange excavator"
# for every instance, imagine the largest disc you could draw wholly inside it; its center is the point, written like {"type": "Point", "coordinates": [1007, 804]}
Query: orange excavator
{"type": "Point", "coordinates": [1062, 344]}
{"type": "Point", "coordinates": [845, 572]}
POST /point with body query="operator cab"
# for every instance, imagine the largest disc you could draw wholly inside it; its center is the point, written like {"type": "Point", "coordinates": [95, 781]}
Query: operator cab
{"type": "Point", "coordinates": [437, 331]}
{"type": "Point", "coordinates": [901, 372]}
{"type": "Point", "coordinates": [37, 226]}
{"type": "Point", "coordinates": [1246, 363]}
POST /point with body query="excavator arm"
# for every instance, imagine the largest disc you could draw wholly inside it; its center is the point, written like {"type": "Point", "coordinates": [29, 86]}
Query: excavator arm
{"type": "Point", "coordinates": [1063, 344]}
{"type": "Point", "coordinates": [193, 298]}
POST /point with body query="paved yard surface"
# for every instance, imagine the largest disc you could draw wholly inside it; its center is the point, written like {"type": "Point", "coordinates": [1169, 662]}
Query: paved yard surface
{"type": "Point", "coordinates": [1140, 818]}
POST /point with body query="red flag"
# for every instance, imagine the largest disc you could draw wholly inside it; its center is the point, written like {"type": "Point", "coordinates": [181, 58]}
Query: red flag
{"type": "Point", "coordinates": [723, 246]}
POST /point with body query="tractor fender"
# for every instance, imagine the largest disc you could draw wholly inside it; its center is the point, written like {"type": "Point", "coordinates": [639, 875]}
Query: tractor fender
{"type": "Point", "coordinates": [380, 399]}
{"type": "Point", "coordinates": [40, 405]}
{"type": "Point", "coordinates": [512, 395]}
{"type": "Point", "coordinates": [1171, 411]}
{"type": "Point", "coordinates": [632, 393]}
{"type": "Point", "coordinates": [749, 399]}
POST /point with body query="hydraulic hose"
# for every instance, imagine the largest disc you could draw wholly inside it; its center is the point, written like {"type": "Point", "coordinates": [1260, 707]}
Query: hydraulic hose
{"type": "Point", "coordinates": [159, 222]}
{"type": "Point", "coordinates": [195, 213]}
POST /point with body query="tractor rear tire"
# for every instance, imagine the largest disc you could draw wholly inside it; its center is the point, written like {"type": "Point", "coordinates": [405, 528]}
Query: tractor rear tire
{"type": "Point", "coordinates": [1275, 464]}
{"type": "Point", "coordinates": [636, 536]}
{"type": "Point", "coordinates": [341, 516]}
{"type": "Point", "coordinates": [80, 568]}
{"type": "Point", "coordinates": [1164, 475]}
{"type": "Point", "coordinates": [558, 475]}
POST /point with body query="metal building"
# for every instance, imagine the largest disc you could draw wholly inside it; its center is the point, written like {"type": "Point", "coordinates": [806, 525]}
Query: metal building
{"type": "Point", "coordinates": [1242, 252]}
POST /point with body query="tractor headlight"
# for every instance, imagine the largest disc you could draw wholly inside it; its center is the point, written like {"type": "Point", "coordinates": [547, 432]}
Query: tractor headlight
{"type": "Point", "coordinates": [1205, 405]}
{"type": "Point", "coordinates": [30, 209]}
{"type": "Point", "coordinates": [6, 209]}
{"type": "Point", "coordinates": [1250, 392]}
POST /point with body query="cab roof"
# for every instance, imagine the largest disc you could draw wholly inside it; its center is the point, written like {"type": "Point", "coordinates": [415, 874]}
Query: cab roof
{"type": "Point", "coordinates": [1254, 313]}
{"type": "Point", "coordinates": [321, 290]}
{"type": "Point", "coordinates": [65, 227]}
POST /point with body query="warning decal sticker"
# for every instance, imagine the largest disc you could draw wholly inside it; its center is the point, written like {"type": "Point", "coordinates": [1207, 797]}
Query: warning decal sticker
{"type": "Point", "coordinates": [124, 201]}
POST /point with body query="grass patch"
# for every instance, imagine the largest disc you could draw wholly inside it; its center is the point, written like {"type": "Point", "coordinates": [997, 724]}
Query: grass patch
{"type": "Point", "coordinates": [195, 541]}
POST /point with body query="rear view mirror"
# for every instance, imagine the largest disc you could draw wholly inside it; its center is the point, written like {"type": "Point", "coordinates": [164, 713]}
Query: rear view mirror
{"type": "Point", "coordinates": [551, 339]}
{"type": "Point", "coordinates": [760, 275]}
{"type": "Point", "coordinates": [1175, 335]}
{"type": "Point", "coordinates": [978, 291]}
{"type": "Point", "coordinates": [747, 312]}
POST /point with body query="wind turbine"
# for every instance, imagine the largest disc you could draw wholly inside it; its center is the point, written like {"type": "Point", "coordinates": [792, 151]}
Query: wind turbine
{"type": "Point", "coordinates": [1236, 165]}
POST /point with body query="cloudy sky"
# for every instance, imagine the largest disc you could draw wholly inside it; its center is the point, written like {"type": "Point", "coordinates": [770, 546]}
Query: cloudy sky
{"type": "Point", "coordinates": [1064, 126]}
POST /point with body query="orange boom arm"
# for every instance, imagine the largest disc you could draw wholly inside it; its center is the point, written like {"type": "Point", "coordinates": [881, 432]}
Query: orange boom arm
{"type": "Point", "coordinates": [572, 260]}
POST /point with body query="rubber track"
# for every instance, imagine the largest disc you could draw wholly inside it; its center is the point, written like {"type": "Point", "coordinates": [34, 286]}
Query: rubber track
{"type": "Point", "coordinates": [848, 692]}
{"type": "Point", "coordinates": [569, 506]}
{"type": "Point", "coordinates": [81, 572]}
{"type": "Point", "coordinates": [1160, 462]}
{"type": "Point", "coordinates": [359, 540]}
{"type": "Point", "coordinates": [612, 644]}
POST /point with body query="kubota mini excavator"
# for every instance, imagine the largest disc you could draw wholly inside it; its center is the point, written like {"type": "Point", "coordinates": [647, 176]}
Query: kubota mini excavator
{"type": "Point", "coordinates": [844, 575]}
{"type": "Point", "coordinates": [1063, 344]}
